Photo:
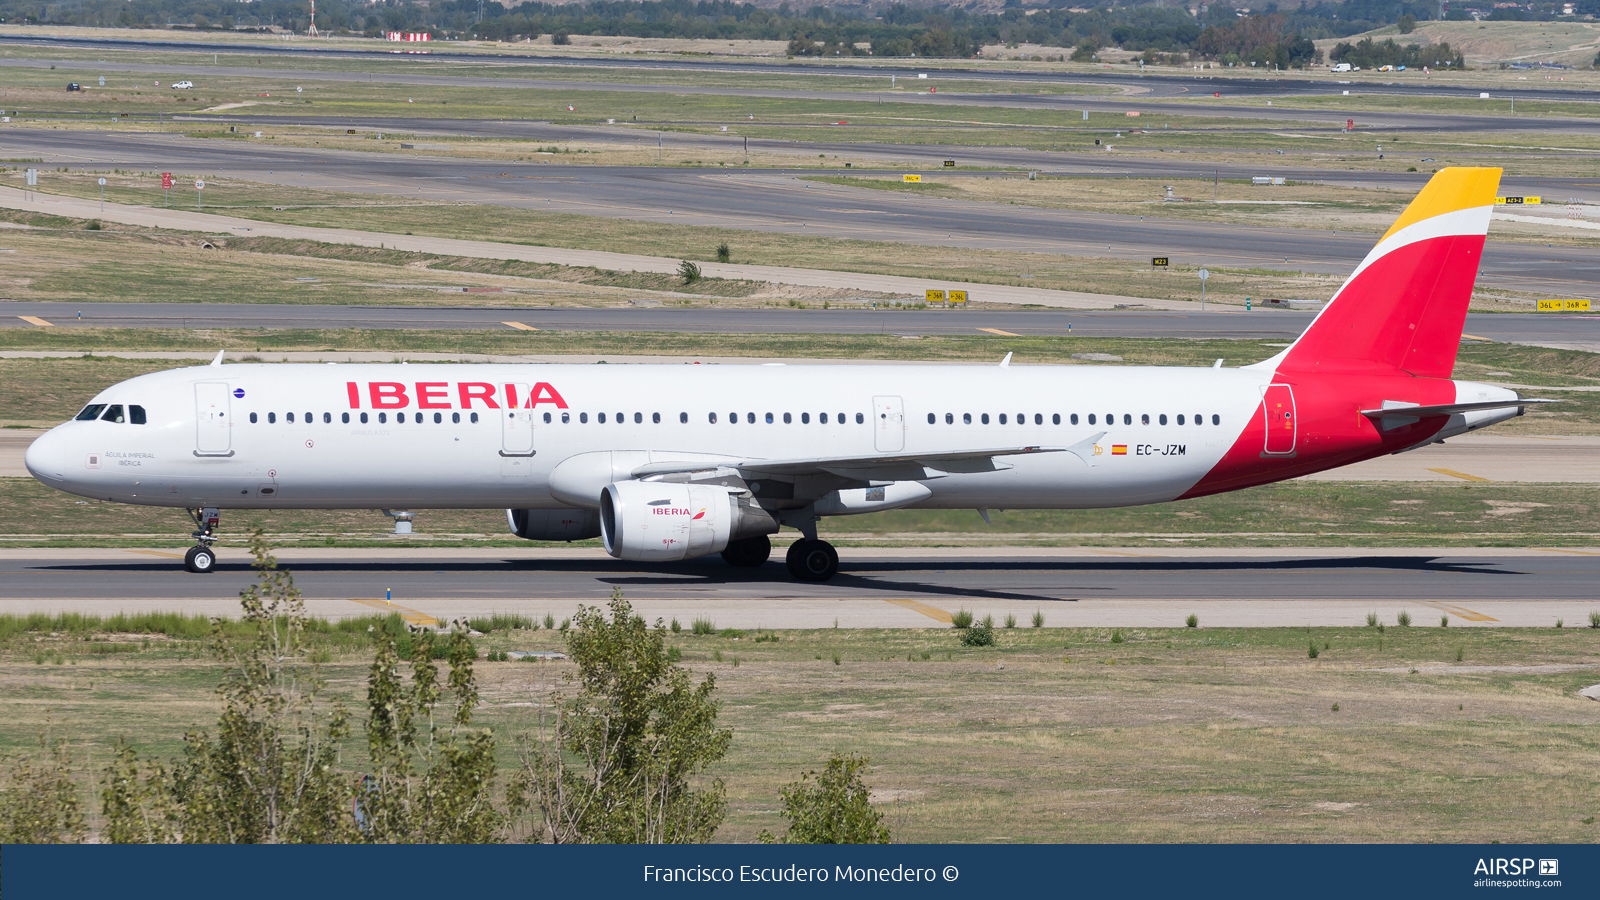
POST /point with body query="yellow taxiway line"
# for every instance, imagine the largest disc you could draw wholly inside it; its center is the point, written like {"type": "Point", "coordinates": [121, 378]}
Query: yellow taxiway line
{"type": "Point", "coordinates": [35, 320]}
{"type": "Point", "coordinates": [413, 616]}
{"type": "Point", "coordinates": [519, 326]}
{"type": "Point", "coordinates": [999, 332]}
{"type": "Point", "coordinates": [932, 612]}
{"type": "Point", "coordinates": [1461, 475]}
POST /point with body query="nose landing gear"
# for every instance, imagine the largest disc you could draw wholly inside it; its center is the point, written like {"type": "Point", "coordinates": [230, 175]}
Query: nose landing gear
{"type": "Point", "coordinates": [202, 559]}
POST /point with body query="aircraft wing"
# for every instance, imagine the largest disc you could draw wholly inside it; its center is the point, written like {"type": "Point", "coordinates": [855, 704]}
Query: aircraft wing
{"type": "Point", "coordinates": [887, 467]}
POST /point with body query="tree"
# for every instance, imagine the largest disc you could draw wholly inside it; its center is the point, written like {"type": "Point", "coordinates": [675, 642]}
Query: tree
{"type": "Point", "coordinates": [837, 809]}
{"type": "Point", "coordinates": [641, 734]}
{"type": "Point", "coordinates": [1408, 23]}
{"type": "Point", "coordinates": [39, 801]}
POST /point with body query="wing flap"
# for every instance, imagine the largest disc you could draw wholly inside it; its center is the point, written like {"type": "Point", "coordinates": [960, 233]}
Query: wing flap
{"type": "Point", "coordinates": [945, 461]}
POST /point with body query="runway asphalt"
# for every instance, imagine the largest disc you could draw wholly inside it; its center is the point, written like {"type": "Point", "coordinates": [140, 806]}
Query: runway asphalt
{"type": "Point", "coordinates": [1528, 328]}
{"type": "Point", "coordinates": [1072, 587]}
{"type": "Point", "coordinates": [775, 201]}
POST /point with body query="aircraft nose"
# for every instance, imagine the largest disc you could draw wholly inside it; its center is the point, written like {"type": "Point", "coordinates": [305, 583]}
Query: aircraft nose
{"type": "Point", "coordinates": [46, 457]}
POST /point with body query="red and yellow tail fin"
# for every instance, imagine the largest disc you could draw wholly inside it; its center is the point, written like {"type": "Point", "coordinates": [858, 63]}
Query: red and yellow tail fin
{"type": "Point", "coordinates": [1404, 307]}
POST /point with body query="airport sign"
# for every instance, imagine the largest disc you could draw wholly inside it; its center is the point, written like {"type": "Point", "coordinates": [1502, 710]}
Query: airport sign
{"type": "Point", "coordinates": [911, 179]}
{"type": "Point", "coordinates": [1159, 261]}
{"type": "Point", "coordinates": [958, 296]}
{"type": "Point", "coordinates": [1518, 201]}
{"type": "Point", "coordinates": [934, 296]}
{"type": "Point", "coordinates": [1564, 306]}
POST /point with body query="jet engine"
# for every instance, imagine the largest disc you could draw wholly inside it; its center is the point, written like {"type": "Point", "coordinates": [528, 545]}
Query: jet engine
{"type": "Point", "coordinates": [554, 524]}
{"type": "Point", "coordinates": [661, 521]}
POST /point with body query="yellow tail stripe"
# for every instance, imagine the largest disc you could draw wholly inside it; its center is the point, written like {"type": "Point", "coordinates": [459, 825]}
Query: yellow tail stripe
{"type": "Point", "coordinates": [1450, 190]}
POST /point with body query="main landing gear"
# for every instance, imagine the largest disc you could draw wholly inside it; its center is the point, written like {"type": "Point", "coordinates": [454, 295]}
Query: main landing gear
{"type": "Point", "coordinates": [202, 559]}
{"type": "Point", "coordinates": [748, 553]}
{"type": "Point", "coordinates": [810, 559]}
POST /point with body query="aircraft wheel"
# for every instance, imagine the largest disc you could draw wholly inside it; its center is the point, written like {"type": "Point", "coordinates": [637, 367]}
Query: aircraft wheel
{"type": "Point", "coordinates": [201, 560]}
{"type": "Point", "coordinates": [810, 560]}
{"type": "Point", "coordinates": [748, 553]}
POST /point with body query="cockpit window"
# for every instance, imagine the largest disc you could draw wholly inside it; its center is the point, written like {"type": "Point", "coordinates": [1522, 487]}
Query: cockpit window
{"type": "Point", "coordinates": [113, 414]}
{"type": "Point", "coordinates": [136, 415]}
{"type": "Point", "coordinates": [91, 412]}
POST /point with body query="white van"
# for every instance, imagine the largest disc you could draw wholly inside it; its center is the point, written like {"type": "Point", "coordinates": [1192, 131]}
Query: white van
{"type": "Point", "coordinates": [1340, 67]}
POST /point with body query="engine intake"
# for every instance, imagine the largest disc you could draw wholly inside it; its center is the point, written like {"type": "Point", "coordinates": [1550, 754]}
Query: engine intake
{"type": "Point", "coordinates": [660, 521]}
{"type": "Point", "coordinates": [554, 524]}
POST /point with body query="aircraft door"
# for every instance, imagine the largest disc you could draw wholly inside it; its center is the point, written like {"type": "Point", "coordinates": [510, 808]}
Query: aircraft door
{"type": "Point", "coordinates": [1277, 403]}
{"type": "Point", "coordinates": [213, 423]}
{"type": "Point", "coordinates": [889, 414]}
{"type": "Point", "coordinates": [516, 432]}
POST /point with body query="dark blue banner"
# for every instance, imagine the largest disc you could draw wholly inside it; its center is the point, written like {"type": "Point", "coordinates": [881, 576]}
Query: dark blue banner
{"type": "Point", "coordinates": [1362, 872]}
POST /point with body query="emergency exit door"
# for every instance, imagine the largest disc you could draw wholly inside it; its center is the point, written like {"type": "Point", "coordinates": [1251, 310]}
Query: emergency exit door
{"type": "Point", "coordinates": [516, 432]}
{"type": "Point", "coordinates": [889, 416]}
{"type": "Point", "coordinates": [213, 435]}
{"type": "Point", "coordinates": [1277, 403]}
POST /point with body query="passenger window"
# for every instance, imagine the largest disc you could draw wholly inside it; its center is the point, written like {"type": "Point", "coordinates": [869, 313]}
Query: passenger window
{"type": "Point", "coordinates": [1163, 418]}
{"type": "Point", "coordinates": [546, 418]}
{"type": "Point", "coordinates": [1091, 418]}
{"type": "Point", "coordinates": [600, 418]}
{"type": "Point", "coordinates": [966, 418]}
{"type": "Point", "coordinates": [655, 418]}
{"type": "Point", "coordinates": [583, 418]}
{"type": "Point", "coordinates": [788, 419]}
{"type": "Point", "coordinates": [621, 418]}
{"type": "Point", "coordinates": [566, 418]}
{"type": "Point", "coordinates": [91, 412]}
{"type": "Point", "coordinates": [272, 418]}
{"type": "Point", "coordinates": [1127, 419]}
{"type": "Point", "coordinates": [474, 418]}
{"type": "Point", "coordinates": [712, 418]}
{"type": "Point", "coordinates": [345, 418]}
{"type": "Point", "coordinates": [363, 418]}
{"type": "Point", "coordinates": [949, 418]}
{"type": "Point", "coordinates": [683, 418]}
{"type": "Point", "coordinates": [1144, 418]}
{"type": "Point", "coordinates": [822, 418]}
{"type": "Point", "coordinates": [455, 418]}
{"type": "Point", "coordinates": [1199, 419]}
{"type": "Point", "coordinates": [327, 418]}
{"type": "Point", "coordinates": [1216, 419]}
{"type": "Point", "coordinates": [932, 418]}
{"type": "Point", "coordinates": [841, 418]}
{"type": "Point", "coordinates": [769, 418]}
{"type": "Point", "coordinates": [638, 418]}
{"type": "Point", "coordinates": [383, 418]}
{"type": "Point", "coordinates": [1002, 418]}
{"type": "Point", "coordinates": [135, 415]}
{"type": "Point", "coordinates": [1180, 418]}
{"type": "Point", "coordinates": [310, 418]}
{"type": "Point", "coordinates": [1038, 419]}
{"type": "Point", "coordinates": [805, 418]}
{"type": "Point", "coordinates": [289, 417]}
{"type": "Point", "coordinates": [750, 418]}
{"type": "Point", "coordinates": [985, 418]}
{"type": "Point", "coordinates": [438, 418]}
{"type": "Point", "coordinates": [252, 418]}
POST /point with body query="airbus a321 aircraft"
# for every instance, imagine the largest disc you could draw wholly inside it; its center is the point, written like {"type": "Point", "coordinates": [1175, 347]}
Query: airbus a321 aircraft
{"type": "Point", "coordinates": [669, 462]}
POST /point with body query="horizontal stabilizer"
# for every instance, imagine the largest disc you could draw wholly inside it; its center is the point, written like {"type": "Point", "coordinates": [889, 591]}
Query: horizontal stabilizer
{"type": "Point", "coordinates": [958, 460]}
{"type": "Point", "coordinates": [1393, 408]}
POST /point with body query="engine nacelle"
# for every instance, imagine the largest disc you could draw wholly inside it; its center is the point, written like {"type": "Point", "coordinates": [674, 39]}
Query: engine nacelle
{"type": "Point", "coordinates": [661, 521]}
{"type": "Point", "coordinates": [554, 524]}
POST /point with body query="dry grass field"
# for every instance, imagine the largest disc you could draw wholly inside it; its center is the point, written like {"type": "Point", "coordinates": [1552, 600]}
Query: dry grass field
{"type": "Point", "coordinates": [1175, 735]}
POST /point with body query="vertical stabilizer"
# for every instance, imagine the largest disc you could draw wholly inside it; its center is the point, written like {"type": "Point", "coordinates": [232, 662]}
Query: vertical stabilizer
{"type": "Point", "coordinates": [1404, 307]}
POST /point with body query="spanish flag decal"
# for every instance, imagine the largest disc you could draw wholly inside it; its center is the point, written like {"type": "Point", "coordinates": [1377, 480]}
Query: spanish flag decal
{"type": "Point", "coordinates": [1119, 449]}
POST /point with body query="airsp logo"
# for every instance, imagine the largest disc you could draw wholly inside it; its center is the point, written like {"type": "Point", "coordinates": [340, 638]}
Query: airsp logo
{"type": "Point", "coordinates": [1516, 867]}
{"type": "Point", "coordinates": [1549, 867]}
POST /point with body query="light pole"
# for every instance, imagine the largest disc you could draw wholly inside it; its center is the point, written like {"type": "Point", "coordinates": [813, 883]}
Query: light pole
{"type": "Point", "coordinates": [1204, 274]}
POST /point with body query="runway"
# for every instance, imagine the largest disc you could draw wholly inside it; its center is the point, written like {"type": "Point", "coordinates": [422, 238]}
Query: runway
{"type": "Point", "coordinates": [875, 588]}
{"type": "Point", "coordinates": [778, 202]}
{"type": "Point", "coordinates": [1285, 325]}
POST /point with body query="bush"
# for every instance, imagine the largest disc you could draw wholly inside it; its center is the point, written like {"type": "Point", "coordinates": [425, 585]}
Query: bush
{"type": "Point", "coordinates": [988, 621]}
{"type": "Point", "coordinates": [1038, 619]}
{"type": "Point", "coordinates": [1594, 618]}
{"type": "Point", "coordinates": [1403, 619]}
{"type": "Point", "coordinates": [676, 627]}
{"type": "Point", "coordinates": [549, 622]}
{"type": "Point", "coordinates": [1313, 651]}
{"type": "Point", "coordinates": [1372, 620]}
{"type": "Point", "coordinates": [837, 809]}
{"type": "Point", "coordinates": [689, 272]}
{"type": "Point", "coordinates": [1444, 621]}
{"type": "Point", "coordinates": [1193, 621]}
{"type": "Point", "coordinates": [502, 622]}
{"type": "Point", "coordinates": [561, 38]}
{"type": "Point", "coordinates": [731, 633]}
{"type": "Point", "coordinates": [724, 253]}
{"type": "Point", "coordinates": [703, 626]}
{"type": "Point", "coordinates": [1011, 621]}
{"type": "Point", "coordinates": [961, 618]}
{"type": "Point", "coordinates": [1116, 636]}
{"type": "Point", "coordinates": [981, 635]}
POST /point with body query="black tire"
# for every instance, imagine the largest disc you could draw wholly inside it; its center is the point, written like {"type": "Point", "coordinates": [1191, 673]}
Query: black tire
{"type": "Point", "coordinates": [810, 560]}
{"type": "Point", "coordinates": [200, 560]}
{"type": "Point", "coordinates": [748, 553]}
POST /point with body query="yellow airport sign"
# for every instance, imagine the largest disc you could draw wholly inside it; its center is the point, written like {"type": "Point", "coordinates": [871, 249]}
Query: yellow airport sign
{"type": "Point", "coordinates": [1519, 201]}
{"type": "Point", "coordinates": [911, 179]}
{"type": "Point", "coordinates": [958, 296]}
{"type": "Point", "coordinates": [1564, 306]}
{"type": "Point", "coordinates": [1159, 261]}
{"type": "Point", "coordinates": [935, 296]}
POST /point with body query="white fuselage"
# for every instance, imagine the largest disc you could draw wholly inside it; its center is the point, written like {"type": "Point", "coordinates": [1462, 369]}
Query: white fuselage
{"type": "Point", "coordinates": [441, 436]}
